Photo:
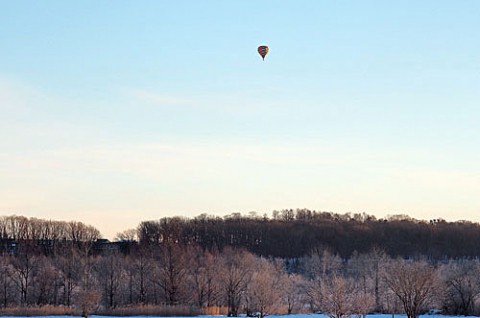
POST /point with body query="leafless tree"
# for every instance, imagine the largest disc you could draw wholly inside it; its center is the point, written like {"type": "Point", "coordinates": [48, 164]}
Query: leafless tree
{"type": "Point", "coordinates": [172, 272]}
{"type": "Point", "coordinates": [47, 281]}
{"type": "Point", "coordinates": [390, 303]}
{"type": "Point", "coordinates": [69, 270]}
{"type": "Point", "coordinates": [22, 275]}
{"type": "Point", "coordinates": [292, 290]}
{"type": "Point", "coordinates": [322, 263]}
{"type": "Point", "coordinates": [320, 266]}
{"type": "Point", "coordinates": [82, 236]}
{"type": "Point", "coordinates": [414, 283]}
{"type": "Point", "coordinates": [110, 274]}
{"type": "Point", "coordinates": [87, 299]}
{"type": "Point", "coordinates": [263, 291]}
{"type": "Point", "coordinates": [17, 227]}
{"type": "Point", "coordinates": [313, 294]}
{"type": "Point", "coordinates": [367, 271]}
{"type": "Point", "coordinates": [6, 282]}
{"type": "Point", "coordinates": [337, 297]}
{"type": "Point", "coordinates": [462, 286]}
{"type": "Point", "coordinates": [363, 301]}
{"type": "Point", "coordinates": [129, 235]}
{"type": "Point", "coordinates": [203, 269]}
{"type": "Point", "coordinates": [139, 271]}
{"type": "Point", "coordinates": [236, 271]}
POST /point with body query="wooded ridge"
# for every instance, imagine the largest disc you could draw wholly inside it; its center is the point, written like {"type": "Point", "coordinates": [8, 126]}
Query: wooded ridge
{"type": "Point", "coordinates": [286, 234]}
{"type": "Point", "coordinates": [295, 261]}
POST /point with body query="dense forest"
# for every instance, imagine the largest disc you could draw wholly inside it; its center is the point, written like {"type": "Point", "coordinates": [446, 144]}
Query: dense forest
{"type": "Point", "coordinates": [294, 261]}
{"type": "Point", "coordinates": [295, 233]}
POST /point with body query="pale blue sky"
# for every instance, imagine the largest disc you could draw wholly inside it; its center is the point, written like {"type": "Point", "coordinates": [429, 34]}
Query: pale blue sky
{"type": "Point", "coordinates": [114, 112]}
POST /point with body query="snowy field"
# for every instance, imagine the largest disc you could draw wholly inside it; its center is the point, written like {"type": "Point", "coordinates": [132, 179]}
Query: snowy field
{"type": "Point", "coordinates": [271, 316]}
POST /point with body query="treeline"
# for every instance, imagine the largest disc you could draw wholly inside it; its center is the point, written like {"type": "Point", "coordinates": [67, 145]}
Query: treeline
{"type": "Point", "coordinates": [47, 237]}
{"type": "Point", "coordinates": [234, 282]}
{"type": "Point", "coordinates": [295, 261]}
{"type": "Point", "coordinates": [22, 228]}
{"type": "Point", "coordinates": [295, 233]}
{"type": "Point", "coordinates": [287, 234]}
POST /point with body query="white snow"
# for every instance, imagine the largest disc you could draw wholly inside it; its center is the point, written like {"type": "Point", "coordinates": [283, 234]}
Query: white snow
{"type": "Point", "coordinates": [270, 316]}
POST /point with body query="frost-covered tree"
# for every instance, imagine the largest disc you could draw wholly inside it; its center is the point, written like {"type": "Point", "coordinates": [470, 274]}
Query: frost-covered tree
{"type": "Point", "coordinates": [338, 297]}
{"type": "Point", "coordinates": [292, 290]}
{"type": "Point", "coordinates": [462, 287]}
{"type": "Point", "coordinates": [322, 263]}
{"type": "Point", "coordinates": [363, 302]}
{"type": "Point", "coordinates": [367, 270]}
{"type": "Point", "coordinates": [235, 275]}
{"type": "Point", "coordinates": [264, 290]}
{"type": "Point", "coordinates": [414, 283]}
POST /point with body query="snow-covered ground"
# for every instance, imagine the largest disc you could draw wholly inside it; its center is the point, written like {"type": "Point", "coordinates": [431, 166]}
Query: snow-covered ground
{"type": "Point", "coordinates": [271, 316]}
{"type": "Point", "coordinates": [291, 316]}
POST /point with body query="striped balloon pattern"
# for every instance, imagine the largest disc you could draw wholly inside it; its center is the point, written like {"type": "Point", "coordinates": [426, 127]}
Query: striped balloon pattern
{"type": "Point", "coordinates": [263, 51]}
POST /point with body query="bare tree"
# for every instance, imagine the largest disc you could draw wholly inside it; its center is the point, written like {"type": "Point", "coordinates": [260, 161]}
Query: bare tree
{"type": "Point", "coordinates": [129, 235]}
{"type": "Point", "coordinates": [292, 290]}
{"type": "Point", "coordinates": [87, 300]}
{"type": "Point", "coordinates": [390, 303]}
{"type": "Point", "coordinates": [236, 271]}
{"type": "Point", "coordinates": [263, 291]}
{"type": "Point", "coordinates": [367, 270]}
{"type": "Point", "coordinates": [17, 227]}
{"type": "Point", "coordinates": [320, 266]}
{"type": "Point", "coordinates": [337, 297]}
{"type": "Point", "coordinates": [47, 281]}
{"type": "Point", "coordinates": [462, 287]}
{"type": "Point", "coordinates": [202, 270]}
{"type": "Point", "coordinates": [313, 294]}
{"type": "Point", "coordinates": [70, 271]}
{"type": "Point", "coordinates": [140, 270]}
{"type": "Point", "coordinates": [130, 272]}
{"type": "Point", "coordinates": [22, 275]}
{"type": "Point", "coordinates": [6, 271]}
{"type": "Point", "coordinates": [414, 283]}
{"type": "Point", "coordinates": [172, 272]}
{"type": "Point", "coordinates": [363, 302]}
{"type": "Point", "coordinates": [82, 235]}
{"type": "Point", "coordinates": [322, 263]}
{"type": "Point", "coordinates": [110, 273]}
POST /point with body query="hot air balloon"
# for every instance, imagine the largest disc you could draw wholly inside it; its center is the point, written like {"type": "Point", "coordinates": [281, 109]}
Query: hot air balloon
{"type": "Point", "coordinates": [263, 51]}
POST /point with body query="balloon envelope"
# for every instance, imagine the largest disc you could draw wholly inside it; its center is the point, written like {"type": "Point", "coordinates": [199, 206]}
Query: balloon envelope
{"type": "Point", "coordinates": [263, 51]}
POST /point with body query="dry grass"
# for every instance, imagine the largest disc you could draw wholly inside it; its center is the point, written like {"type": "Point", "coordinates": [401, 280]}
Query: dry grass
{"type": "Point", "coordinates": [141, 310]}
{"type": "Point", "coordinates": [215, 311]}
{"type": "Point", "coordinates": [148, 310]}
{"type": "Point", "coordinates": [36, 311]}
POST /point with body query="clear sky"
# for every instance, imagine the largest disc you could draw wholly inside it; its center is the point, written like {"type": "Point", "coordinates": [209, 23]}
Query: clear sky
{"type": "Point", "coordinates": [114, 112]}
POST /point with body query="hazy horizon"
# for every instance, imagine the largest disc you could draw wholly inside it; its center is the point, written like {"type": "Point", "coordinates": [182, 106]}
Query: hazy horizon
{"type": "Point", "coordinates": [112, 113]}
